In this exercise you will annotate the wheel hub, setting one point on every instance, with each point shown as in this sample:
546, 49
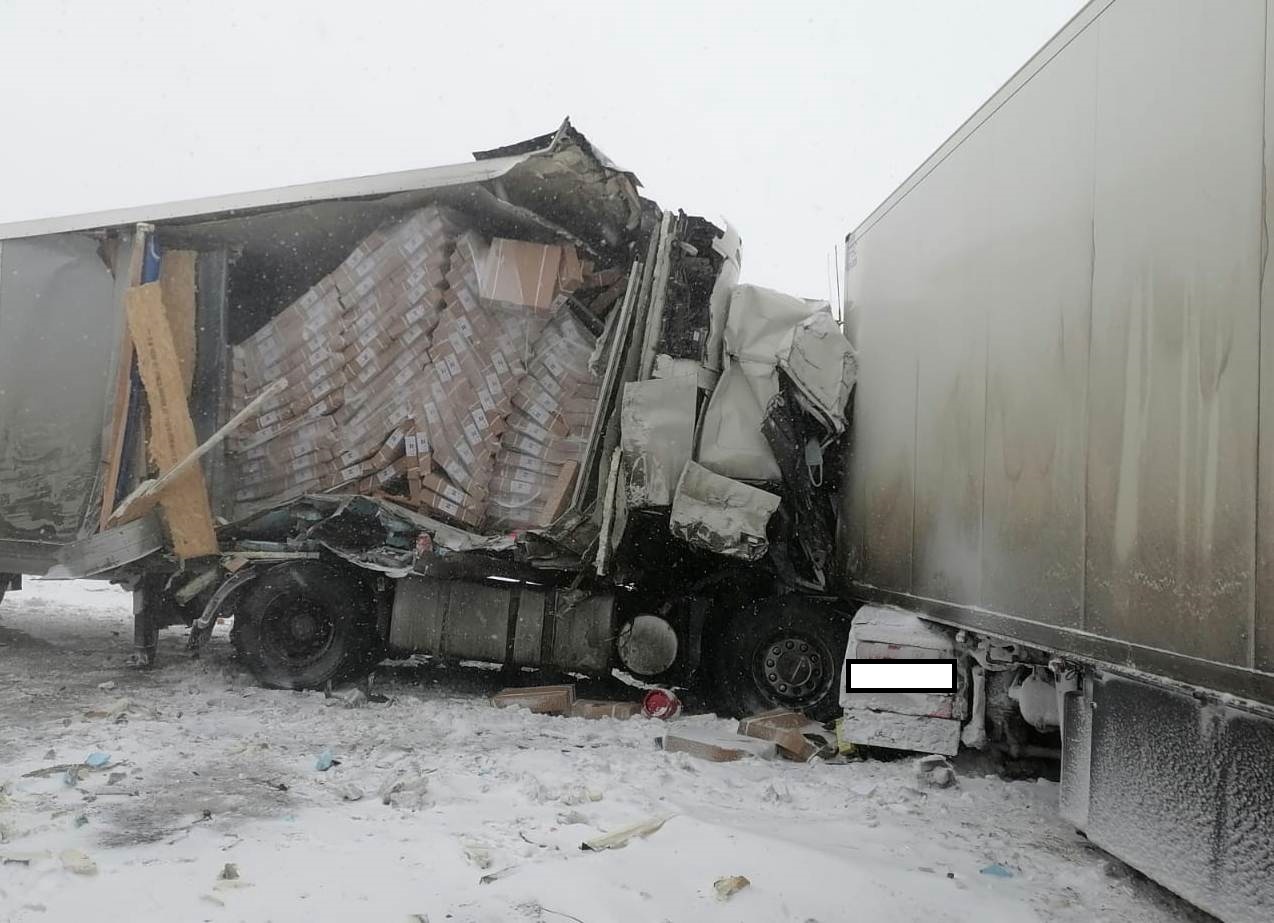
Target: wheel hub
791, 668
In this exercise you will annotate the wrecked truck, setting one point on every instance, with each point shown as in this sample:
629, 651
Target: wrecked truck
508, 411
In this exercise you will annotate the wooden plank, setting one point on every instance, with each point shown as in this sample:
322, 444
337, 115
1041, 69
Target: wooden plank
113, 441
177, 284
172, 433
143, 499
556, 501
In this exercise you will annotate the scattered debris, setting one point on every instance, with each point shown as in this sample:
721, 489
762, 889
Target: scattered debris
728, 887
790, 731
229, 872
661, 703
618, 839
78, 861
478, 856
579, 794
407, 790
80, 820
594, 708
540, 700
935, 772
571, 817
350, 792
24, 858
326, 761
498, 874
995, 870
116, 710
106, 686
718, 747
97, 760
116, 777
349, 698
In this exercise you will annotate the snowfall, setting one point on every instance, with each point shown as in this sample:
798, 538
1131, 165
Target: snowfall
187, 792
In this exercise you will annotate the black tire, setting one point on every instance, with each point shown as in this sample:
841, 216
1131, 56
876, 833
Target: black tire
302, 625
781, 652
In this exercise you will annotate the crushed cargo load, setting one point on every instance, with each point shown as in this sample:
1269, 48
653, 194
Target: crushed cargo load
434, 367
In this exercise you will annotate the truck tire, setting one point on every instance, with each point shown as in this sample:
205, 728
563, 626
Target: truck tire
781, 652
303, 625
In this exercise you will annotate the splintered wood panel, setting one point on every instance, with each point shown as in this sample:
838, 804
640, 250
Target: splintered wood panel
172, 433
177, 285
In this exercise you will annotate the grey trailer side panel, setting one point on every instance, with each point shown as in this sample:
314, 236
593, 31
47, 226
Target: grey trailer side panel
1058, 318
59, 329
1263, 634
1176, 305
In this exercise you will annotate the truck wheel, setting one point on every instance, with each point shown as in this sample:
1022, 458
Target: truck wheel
305, 624
783, 652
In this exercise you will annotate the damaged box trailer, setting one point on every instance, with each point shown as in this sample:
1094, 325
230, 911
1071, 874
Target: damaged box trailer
509, 411
1060, 475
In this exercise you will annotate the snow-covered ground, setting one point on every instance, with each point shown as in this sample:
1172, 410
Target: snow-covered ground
207, 769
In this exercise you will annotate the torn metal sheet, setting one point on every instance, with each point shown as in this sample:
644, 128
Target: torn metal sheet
109, 550
657, 435
767, 331
730, 248
721, 515
731, 442
823, 366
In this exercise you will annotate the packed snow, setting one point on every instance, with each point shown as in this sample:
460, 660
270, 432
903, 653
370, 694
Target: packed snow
208, 804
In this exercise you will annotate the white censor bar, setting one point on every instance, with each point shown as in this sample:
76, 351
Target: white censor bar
900, 675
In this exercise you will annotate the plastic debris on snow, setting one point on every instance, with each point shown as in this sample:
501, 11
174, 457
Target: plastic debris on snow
326, 761
78, 861
618, 839
728, 887
995, 870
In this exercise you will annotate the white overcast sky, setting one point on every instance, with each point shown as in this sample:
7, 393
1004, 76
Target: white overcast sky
792, 119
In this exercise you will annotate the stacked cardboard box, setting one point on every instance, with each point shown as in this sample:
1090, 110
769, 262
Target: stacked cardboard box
340, 346
547, 429
406, 369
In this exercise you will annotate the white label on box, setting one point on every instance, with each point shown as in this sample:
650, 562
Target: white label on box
495, 385
368, 336
484, 398
497, 359
529, 446
446, 506
406, 375
364, 287
453, 365
471, 433
413, 241
457, 342
453, 493
524, 474
317, 375
553, 365
431, 413
422, 443
439, 392
414, 278
444, 372
551, 385
367, 374
366, 356
351, 472
466, 454
479, 418
540, 414
522, 487
365, 267
409, 444
415, 315
538, 432
386, 475
463, 325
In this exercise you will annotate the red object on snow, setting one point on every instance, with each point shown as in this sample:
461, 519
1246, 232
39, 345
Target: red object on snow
660, 703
